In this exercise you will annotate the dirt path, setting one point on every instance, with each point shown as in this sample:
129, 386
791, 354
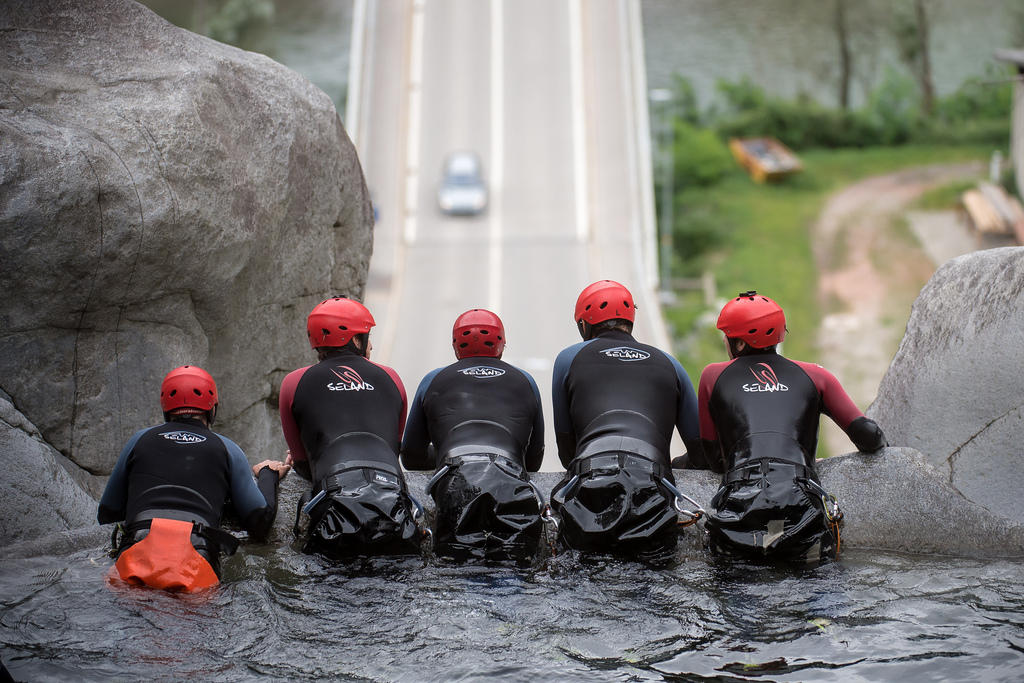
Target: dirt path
871, 267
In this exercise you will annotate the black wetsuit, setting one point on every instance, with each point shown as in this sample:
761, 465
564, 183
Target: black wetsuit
616, 402
343, 419
484, 419
759, 423
182, 470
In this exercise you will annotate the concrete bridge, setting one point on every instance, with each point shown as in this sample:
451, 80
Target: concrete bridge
552, 96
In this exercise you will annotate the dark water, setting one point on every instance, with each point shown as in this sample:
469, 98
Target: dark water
283, 616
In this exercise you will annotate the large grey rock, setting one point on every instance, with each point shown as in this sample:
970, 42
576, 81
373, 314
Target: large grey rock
955, 389
45, 497
897, 501
164, 199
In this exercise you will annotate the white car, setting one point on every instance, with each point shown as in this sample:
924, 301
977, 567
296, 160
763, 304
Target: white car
462, 190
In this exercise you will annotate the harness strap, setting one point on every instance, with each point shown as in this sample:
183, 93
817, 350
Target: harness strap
754, 469
466, 454
621, 444
335, 479
458, 452
225, 541
632, 462
142, 519
363, 464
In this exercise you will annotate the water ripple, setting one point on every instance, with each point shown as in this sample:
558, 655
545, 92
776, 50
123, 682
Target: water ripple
280, 615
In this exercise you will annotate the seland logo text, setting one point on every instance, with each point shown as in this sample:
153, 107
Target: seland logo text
184, 437
482, 371
625, 353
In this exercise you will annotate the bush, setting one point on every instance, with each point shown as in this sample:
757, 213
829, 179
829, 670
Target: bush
686, 106
700, 157
805, 123
697, 231
978, 112
989, 98
894, 108
802, 124
741, 97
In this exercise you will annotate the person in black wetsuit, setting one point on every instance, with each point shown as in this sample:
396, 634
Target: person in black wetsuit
343, 419
480, 424
616, 402
172, 485
759, 427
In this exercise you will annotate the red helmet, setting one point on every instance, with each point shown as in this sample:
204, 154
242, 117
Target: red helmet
478, 332
604, 300
188, 387
332, 323
754, 318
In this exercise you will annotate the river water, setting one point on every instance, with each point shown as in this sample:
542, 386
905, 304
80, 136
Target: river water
280, 615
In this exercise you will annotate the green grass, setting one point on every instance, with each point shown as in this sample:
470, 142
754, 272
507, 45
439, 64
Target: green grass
765, 238
943, 197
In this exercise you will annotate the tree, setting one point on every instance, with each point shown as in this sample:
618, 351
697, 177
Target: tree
845, 60
927, 87
912, 32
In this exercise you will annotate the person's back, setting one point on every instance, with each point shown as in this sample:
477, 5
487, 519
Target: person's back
759, 417
172, 485
616, 402
343, 419
479, 423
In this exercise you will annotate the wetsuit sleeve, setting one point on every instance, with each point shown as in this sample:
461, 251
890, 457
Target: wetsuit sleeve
864, 432
416, 440
535, 451
710, 453
686, 418
565, 436
288, 425
255, 504
115, 496
401, 390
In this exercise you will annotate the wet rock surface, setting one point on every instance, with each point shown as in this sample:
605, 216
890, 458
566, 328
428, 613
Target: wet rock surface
40, 496
955, 389
165, 199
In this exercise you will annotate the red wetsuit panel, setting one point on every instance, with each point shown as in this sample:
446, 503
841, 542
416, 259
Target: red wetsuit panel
291, 430
837, 404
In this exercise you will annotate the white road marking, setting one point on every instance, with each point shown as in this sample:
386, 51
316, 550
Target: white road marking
497, 155
579, 138
353, 100
412, 151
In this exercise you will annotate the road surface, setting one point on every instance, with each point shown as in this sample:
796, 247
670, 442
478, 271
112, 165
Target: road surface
551, 95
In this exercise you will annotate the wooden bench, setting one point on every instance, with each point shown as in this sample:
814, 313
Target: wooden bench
993, 215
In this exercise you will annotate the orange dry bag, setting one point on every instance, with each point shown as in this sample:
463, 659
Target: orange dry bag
166, 559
